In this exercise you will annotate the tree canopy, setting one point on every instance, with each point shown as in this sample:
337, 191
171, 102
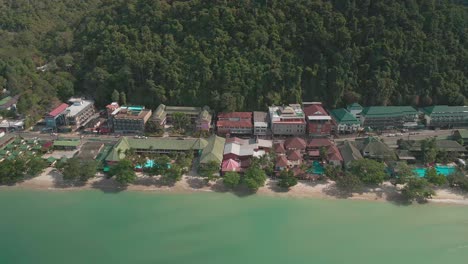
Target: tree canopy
234, 55
368, 171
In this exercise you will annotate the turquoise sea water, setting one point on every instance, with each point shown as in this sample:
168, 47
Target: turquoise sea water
131, 227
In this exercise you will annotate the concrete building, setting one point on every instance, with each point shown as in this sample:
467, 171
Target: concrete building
130, 119
319, 123
79, 112
344, 121
260, 122
287, 120
446, 116
199, 117
389, 117
238, 123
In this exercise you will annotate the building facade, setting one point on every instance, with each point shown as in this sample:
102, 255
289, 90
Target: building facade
318, 121
57, 117
199, 117
79, 111
239, 123
260, 122
446, 116
344, 122
287, 120
389, 117
130, 119
355, 110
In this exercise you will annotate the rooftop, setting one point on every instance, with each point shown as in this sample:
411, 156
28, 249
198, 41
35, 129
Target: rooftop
260, 118
213, 150
388, 111
189, 110
354, 106
131, 112
445, 110
66, 143
8, 101
243, 115
293, 111
342, 115
78, 106
315, 111
58, 110
228, 123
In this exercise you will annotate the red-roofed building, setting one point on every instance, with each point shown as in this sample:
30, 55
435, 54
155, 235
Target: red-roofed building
278, 148
281, 163
294, 157
295, 143
57, 116
230, 165
317, 143
235, 123
319, 122
334, 156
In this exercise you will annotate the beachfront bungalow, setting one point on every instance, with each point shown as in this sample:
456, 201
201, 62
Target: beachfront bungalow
349, 153
373, 148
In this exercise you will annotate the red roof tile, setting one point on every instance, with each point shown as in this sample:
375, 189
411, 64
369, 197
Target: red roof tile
281, 161
334, 153
279, 148
294, 155
58, 110
315, 110
319, 142
295, 143
243, 115
227, 123
230, 165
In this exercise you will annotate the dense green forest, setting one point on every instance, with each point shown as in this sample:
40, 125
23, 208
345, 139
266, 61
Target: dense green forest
236, 55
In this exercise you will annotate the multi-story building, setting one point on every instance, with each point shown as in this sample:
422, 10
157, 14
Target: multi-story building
260, 121
239, 123
287, 120
79, 111
388, 117
130, 119
446, 116
344, 121
199, 117
318, 121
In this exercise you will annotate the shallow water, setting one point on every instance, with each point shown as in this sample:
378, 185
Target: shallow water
135, 227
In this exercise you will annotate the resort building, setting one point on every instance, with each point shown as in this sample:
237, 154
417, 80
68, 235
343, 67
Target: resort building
334, 156
287, 120
130, 119
461, 136
344, 121
260, 121
243, 149
355, 110
389, 117
79, 112
237, 123
57, 117
318, 121
199, 117
415, 146
206, 150
373, 148
314, 145
349, 153
9, 103
289, 153
446, 116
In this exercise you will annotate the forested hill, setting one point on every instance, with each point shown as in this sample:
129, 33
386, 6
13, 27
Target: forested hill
245, 55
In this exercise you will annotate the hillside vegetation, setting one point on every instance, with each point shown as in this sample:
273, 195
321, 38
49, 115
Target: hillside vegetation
236, 55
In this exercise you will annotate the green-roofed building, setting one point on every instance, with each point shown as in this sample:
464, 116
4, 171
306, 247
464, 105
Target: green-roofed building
66, 144
373, 148
345, 122
385, 117
213, 151
446, 116
461, 135
355, 109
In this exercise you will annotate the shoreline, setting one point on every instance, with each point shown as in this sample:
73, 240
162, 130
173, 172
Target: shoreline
52, 181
